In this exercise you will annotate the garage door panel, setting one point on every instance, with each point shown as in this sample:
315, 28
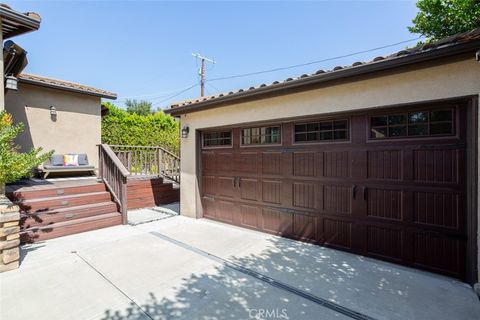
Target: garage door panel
385, 242
248, 162
250, 189
384, 164
209, 207
438, 166
271, 163
277, 222
337, 233
337, 199
272, 191
304, 227
209, 183
439, 253
250, 216
208, 160
304, 195
305, 164
226, 186
439, 209
225, 210
336, 164
224, 161
385, 204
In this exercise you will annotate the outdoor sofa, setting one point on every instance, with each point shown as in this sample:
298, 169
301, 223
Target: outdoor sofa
56, 164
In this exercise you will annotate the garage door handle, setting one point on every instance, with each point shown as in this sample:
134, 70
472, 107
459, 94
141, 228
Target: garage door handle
365, 193
239, 181
354, 191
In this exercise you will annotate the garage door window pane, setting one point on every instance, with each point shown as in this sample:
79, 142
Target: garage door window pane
261, 135
418, 130
217, 138
412, 124
322, 131
397, 131
397, 119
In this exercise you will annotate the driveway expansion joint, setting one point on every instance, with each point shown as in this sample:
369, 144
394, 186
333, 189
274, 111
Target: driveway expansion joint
268, 280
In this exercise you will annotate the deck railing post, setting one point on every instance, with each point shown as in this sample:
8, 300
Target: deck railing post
160, 162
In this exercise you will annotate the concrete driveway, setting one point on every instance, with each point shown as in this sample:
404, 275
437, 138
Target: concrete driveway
180, 268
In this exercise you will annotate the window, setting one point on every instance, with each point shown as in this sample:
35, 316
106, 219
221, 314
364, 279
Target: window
261, 135
412, 124
217, 139
322, 131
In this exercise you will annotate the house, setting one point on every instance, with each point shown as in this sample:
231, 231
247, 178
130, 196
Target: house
57, 112
66, 117
378, 158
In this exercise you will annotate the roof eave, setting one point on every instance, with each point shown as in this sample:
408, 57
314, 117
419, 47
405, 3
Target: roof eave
396, 62
52, 86
27, 24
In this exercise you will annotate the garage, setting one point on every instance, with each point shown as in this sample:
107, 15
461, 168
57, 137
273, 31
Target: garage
388, 184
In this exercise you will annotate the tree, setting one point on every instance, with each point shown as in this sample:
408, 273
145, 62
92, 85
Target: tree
15, 165
442, 18
141, 108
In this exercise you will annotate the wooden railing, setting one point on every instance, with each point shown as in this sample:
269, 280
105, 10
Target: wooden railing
114, 175
149, 161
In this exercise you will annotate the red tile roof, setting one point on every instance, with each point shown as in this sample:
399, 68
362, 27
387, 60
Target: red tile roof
65, 85
327, 75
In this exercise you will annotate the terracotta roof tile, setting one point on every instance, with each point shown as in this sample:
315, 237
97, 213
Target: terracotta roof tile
446, 42
65, 85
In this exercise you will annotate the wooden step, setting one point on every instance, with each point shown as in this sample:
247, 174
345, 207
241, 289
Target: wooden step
51, 203
45, 218
70, 227
47, 192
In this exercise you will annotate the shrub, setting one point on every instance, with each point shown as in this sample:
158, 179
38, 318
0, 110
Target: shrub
122, 128
15, 165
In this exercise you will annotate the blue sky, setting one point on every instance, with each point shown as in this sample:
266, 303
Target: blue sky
142, 49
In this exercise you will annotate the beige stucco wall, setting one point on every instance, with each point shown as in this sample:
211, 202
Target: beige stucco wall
449, 80
77, 128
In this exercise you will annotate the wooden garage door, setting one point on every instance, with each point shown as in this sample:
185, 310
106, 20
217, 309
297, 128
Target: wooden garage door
389, 184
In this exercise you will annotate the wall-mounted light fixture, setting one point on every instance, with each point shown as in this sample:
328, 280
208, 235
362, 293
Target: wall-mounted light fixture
185, 131
11, 82
53, 113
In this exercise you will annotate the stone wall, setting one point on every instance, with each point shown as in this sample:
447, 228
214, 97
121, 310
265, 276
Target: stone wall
9, 235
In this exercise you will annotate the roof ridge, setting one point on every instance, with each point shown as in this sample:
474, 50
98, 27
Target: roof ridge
59, 83
444, 42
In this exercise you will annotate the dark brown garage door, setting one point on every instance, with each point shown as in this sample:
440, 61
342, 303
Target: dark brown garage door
388, 184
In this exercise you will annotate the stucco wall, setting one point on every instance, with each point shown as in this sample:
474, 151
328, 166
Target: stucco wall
453, 79
76, 129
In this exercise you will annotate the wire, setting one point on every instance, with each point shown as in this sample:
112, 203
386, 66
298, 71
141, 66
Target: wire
177, 94
312, 62
158, 96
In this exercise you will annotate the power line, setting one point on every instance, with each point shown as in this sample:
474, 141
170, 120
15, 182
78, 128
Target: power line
177, 94
168, 93
312, 62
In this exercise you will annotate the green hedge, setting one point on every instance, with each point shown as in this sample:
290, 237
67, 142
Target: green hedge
158, 129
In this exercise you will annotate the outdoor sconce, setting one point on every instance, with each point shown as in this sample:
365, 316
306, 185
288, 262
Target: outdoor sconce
53, 113
185, 131
11, 83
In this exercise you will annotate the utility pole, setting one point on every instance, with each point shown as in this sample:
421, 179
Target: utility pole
202, 71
